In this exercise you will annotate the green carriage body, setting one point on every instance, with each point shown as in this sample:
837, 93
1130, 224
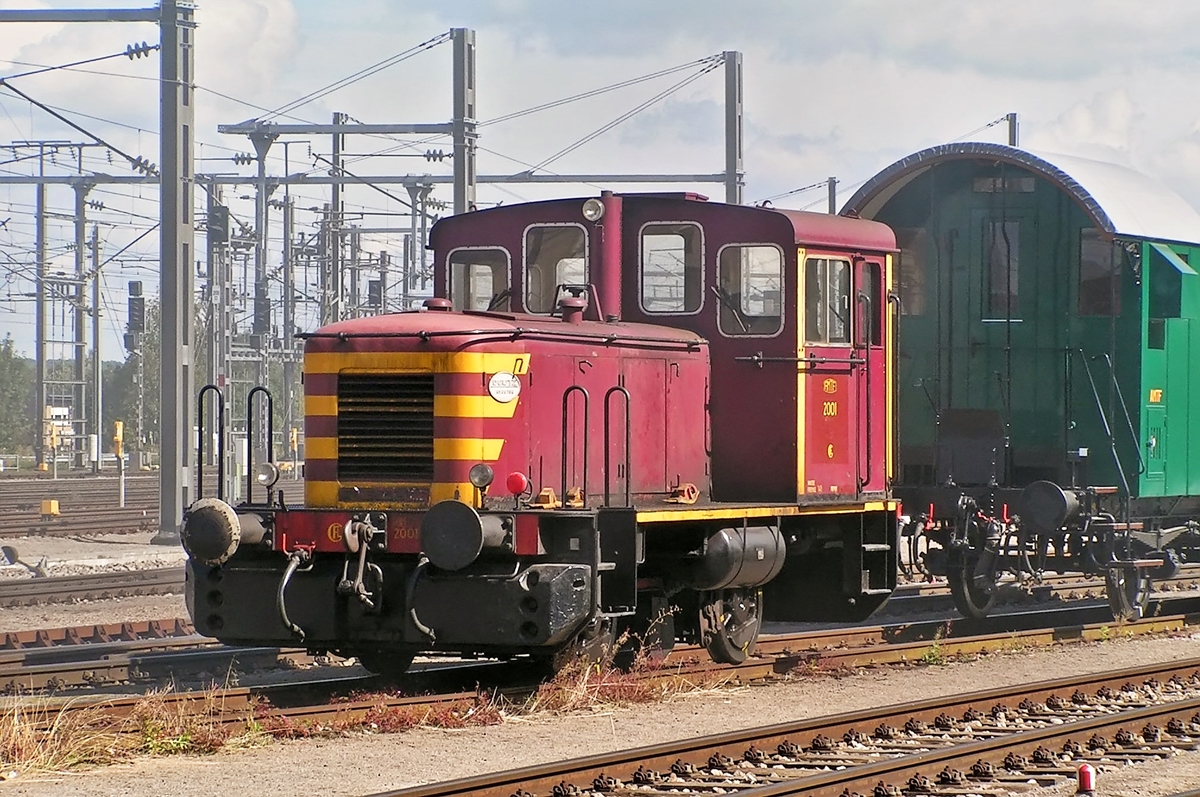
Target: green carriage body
1047, 302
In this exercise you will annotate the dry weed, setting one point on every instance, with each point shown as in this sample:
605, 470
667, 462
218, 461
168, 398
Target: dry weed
37, 736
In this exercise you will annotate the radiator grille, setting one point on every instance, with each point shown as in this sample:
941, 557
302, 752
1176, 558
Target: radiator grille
385, 427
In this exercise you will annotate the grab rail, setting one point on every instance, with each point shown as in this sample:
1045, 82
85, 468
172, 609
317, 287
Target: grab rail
250, 438
565, 404
608, 443
1112, 376
865, 299
1112, 441
220, 441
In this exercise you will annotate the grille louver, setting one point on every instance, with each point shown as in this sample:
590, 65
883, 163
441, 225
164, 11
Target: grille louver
385, 427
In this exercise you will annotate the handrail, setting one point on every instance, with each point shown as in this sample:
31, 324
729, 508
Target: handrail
220, 441
1112, 442
619, 389
250, 438
1112, 375
865, 299
586, 401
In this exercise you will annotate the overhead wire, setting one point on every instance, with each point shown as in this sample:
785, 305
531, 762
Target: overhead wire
359, 75
628, 115
603, 90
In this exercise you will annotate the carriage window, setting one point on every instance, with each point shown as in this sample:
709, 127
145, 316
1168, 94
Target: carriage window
1099, 274
750, 289
912, 242
672, 273
826, 300
1002, 246
479, 279
554, 256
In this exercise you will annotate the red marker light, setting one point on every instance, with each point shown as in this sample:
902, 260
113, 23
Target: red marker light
517, 483
1087, 780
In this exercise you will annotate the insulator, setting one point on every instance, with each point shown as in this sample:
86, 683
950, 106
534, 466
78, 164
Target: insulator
134, 51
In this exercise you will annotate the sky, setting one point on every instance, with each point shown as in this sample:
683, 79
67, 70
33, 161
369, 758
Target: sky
831, 89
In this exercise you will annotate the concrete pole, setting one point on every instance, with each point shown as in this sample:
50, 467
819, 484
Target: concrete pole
176, 76
97, 363
419, 252
734, 168
406, 268
463, 121
384, 264
832, 196
1013, 136
40, 328
289, 322
79, 419
336, 311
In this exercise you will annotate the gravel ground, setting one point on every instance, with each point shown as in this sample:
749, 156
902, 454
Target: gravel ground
73, 556
362, 765
115, 610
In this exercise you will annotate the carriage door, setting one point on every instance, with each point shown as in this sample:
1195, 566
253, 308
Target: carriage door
830, 367
869, 374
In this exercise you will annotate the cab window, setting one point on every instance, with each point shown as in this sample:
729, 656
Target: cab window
826, 300
750, 289
672, 268
479, 279
555, 255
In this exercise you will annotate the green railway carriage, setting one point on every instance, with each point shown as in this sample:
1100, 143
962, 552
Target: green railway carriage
1049, 318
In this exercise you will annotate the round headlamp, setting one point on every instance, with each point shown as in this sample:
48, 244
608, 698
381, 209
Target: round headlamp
266, 474
481, 475
593, 209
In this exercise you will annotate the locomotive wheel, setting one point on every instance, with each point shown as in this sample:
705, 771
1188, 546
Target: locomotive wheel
971, 597
391, 662
1128, 590
729, 623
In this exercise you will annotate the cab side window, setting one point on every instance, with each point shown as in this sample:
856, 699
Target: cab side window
826, 300
672, 268
554, 255
479, 279
750, 290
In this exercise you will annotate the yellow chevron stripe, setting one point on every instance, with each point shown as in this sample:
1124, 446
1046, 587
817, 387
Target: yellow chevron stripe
320, 405
320, 448
442, 362
443, 407
478, 449
320, 494
472, 407
325, 494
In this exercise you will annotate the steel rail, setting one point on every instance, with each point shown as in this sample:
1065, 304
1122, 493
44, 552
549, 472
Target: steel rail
695, 755
44, 638
31, 591
147, 660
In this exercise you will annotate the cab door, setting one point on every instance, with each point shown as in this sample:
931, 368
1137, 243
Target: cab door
830, 375
870, 374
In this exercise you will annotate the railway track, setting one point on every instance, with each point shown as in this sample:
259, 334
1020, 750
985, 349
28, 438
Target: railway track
908, 598
41, 639
95, 586
182, 658
992, 742
89, 505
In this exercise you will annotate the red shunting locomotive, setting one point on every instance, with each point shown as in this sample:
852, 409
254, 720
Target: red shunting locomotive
643, 412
